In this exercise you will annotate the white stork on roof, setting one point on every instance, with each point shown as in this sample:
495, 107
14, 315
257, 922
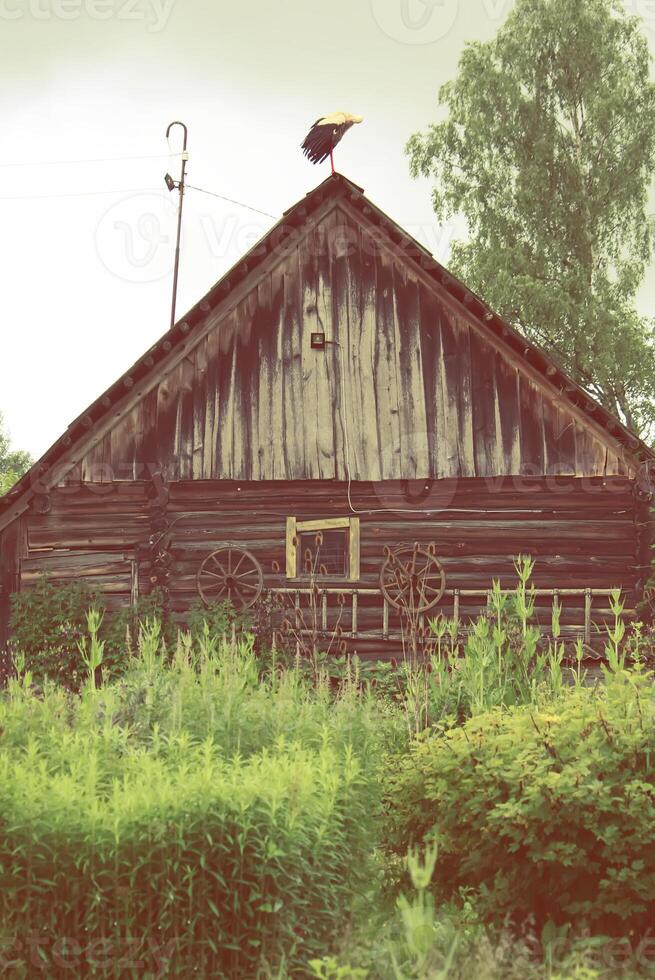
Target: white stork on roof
325, 134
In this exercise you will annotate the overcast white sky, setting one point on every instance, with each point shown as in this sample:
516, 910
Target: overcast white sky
86, 277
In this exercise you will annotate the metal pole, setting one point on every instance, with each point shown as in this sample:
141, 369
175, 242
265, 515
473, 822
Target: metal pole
180, 186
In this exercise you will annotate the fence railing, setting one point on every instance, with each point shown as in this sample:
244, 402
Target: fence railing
451, 604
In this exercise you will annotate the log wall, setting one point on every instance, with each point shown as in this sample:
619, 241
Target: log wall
11, 544
581, 532
90, 532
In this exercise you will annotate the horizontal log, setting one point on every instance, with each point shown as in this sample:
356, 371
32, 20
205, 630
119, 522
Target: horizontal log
581, 533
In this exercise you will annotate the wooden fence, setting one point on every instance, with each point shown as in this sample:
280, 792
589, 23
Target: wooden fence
460, 605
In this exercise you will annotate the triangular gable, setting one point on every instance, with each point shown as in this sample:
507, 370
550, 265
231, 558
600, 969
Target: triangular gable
504, 369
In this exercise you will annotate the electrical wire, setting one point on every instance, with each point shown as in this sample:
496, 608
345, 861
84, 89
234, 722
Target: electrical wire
128, 190
50, 197
56, 163
231, 200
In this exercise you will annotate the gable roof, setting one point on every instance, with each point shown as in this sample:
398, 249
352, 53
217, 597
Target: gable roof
64, 453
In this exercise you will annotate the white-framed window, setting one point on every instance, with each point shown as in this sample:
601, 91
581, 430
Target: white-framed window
325, 549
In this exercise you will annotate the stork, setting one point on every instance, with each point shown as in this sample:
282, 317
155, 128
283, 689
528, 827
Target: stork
325, 134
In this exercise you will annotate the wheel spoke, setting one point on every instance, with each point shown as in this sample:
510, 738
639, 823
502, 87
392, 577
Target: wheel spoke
206, 571
216, 590
237, 595
218, 564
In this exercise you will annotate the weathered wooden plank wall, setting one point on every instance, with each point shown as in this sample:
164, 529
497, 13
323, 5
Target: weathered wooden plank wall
10, 546
581, 532
91, 532
409, 383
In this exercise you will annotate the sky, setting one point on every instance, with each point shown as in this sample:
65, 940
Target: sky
87, 227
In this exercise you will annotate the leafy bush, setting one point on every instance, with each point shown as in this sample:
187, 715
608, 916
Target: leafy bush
217, 688
230, 819
420, 941
219, 616
48, 623
228, 865
549, 812
120, 628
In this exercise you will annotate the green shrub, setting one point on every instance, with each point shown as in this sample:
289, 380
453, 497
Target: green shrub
416, 940
219, 616
209, 688
228, 865
501, 662
549, 812
48, 623
120, 628
229, 819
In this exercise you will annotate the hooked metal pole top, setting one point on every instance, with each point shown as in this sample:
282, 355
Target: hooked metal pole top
178, 123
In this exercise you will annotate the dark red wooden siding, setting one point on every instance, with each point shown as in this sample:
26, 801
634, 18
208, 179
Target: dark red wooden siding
581, 533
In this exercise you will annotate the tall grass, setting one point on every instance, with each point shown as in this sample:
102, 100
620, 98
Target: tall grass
228, 864
500, 661
227, 818
210, 688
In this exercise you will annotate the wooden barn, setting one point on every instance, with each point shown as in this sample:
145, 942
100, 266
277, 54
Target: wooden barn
339, 380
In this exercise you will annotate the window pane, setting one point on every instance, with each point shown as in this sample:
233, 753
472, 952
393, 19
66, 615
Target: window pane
332, 553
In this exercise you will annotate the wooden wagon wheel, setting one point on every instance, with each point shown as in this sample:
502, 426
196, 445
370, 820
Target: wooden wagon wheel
412, 578
230, 573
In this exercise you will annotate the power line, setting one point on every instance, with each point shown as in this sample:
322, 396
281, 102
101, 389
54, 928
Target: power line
129, 190
54, 163
232, 201
50, 197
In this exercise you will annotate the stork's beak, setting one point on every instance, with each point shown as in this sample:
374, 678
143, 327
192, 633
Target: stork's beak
357, 119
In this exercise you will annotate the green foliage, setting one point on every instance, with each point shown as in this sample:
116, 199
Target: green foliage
229, 819
254, 818
219, 616
419, 919
547, 152
48, 626
13, 463
47, 623
423, 941
120, 628
548, 811
502, 660
215, 688
231, 863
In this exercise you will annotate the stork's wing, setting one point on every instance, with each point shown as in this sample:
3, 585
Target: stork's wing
322, 137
